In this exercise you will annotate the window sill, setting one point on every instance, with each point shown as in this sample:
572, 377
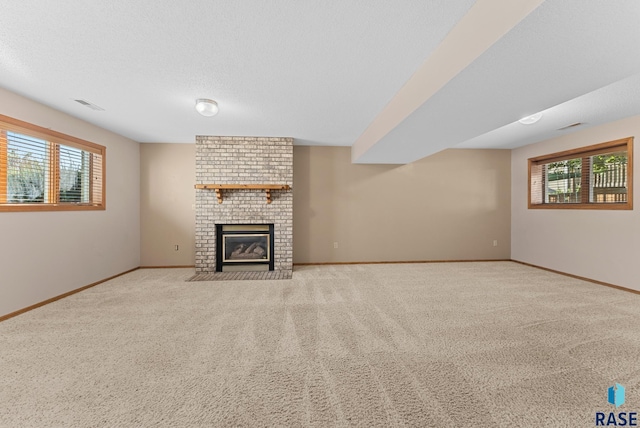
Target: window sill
49, 207
610, 206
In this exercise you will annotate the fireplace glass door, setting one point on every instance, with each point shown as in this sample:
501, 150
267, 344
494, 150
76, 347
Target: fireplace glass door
245, 247
242, 248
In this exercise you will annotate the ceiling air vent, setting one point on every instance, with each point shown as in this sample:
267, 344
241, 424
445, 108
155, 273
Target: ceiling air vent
573, 125
88, 104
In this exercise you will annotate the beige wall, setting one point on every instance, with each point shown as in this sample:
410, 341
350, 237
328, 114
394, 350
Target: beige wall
601, 245
167, 197
448, 206
45, 254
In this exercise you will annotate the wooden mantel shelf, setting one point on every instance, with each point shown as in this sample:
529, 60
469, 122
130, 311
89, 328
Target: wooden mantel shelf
266, 187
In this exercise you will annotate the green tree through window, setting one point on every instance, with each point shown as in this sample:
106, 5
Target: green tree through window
25, 169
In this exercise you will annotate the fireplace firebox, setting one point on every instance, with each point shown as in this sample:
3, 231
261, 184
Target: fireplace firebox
244, 247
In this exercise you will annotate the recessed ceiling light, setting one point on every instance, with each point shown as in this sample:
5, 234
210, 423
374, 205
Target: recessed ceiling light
206, 107
531, 119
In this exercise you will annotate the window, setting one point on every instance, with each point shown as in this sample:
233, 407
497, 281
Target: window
44, 170
594, 177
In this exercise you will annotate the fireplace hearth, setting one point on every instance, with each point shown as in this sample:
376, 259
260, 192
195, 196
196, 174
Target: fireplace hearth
244, 247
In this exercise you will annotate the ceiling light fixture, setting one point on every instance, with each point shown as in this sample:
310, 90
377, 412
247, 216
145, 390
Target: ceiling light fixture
531, 119
206, 107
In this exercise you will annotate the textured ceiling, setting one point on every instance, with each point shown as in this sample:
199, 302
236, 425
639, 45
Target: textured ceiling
318, 71
561, 51
324, 72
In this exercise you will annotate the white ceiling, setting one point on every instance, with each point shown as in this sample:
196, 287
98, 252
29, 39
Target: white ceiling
324, 72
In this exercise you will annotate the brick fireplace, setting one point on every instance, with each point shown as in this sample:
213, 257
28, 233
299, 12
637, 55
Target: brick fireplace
252, 162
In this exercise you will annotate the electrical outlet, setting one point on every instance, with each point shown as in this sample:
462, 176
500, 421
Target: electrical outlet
335, 245
495, 242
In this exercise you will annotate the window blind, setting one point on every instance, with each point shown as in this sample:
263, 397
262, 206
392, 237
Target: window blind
37, 171
27, 168
594, 175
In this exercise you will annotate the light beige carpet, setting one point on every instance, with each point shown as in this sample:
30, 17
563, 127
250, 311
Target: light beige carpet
429, 345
